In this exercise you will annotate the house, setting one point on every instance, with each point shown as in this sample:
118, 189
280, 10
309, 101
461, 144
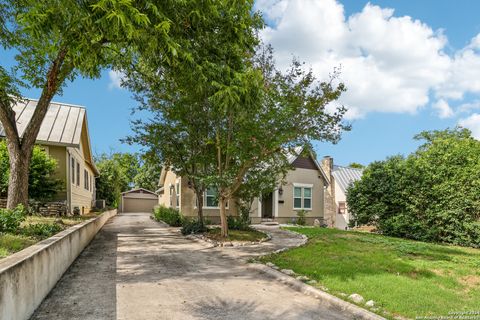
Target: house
303, 189
64, 136
340, 179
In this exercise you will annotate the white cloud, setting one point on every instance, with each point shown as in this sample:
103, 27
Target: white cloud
388, 63
443, 109
116, 78
473, 123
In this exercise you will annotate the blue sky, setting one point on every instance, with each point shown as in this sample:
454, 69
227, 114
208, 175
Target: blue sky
394, 92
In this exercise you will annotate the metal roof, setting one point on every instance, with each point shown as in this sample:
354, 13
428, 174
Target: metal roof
344, 176
62, 124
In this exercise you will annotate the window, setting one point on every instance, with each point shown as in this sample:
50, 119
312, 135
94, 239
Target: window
177, 194
302, 197
172, 190
85, 179
78, 174
342, 208
211, 197
73, 169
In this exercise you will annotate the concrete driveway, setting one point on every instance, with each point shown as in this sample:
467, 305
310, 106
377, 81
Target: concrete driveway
136, 268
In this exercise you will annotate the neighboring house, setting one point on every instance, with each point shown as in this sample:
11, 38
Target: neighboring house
340, 179
138, 200
64, 136
303, 190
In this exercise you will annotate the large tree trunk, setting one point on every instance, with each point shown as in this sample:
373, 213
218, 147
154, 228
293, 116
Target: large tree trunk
18, 179
223, 216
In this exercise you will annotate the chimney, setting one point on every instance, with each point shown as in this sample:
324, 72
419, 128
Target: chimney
327, 166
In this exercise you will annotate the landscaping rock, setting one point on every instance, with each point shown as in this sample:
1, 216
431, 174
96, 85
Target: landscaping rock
288, 272
370, 303
356, 298
341, 294
316, 223
269, 264
302, 278
312, 282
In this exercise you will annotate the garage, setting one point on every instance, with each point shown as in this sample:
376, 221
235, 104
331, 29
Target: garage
138, 200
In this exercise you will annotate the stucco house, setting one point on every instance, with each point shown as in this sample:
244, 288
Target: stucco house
340, 179
64, 136
303, 189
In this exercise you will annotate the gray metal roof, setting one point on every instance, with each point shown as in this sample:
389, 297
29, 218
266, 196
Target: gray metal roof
62, 124
344, 176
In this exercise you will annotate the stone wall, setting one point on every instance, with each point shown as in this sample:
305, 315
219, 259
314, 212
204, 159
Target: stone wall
330, 206
54, 208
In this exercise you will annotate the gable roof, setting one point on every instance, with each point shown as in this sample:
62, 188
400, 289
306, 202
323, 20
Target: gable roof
63, 125
344, 176
298, 151
139, 190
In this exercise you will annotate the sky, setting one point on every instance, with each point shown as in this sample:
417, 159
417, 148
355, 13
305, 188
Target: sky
408, 66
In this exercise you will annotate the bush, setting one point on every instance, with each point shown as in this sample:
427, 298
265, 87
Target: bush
430, 195
192, 226
41, 230
238, 223
170, 216
10, 220
301, 221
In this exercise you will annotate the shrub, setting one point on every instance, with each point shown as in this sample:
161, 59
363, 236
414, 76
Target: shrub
170, 216
192, 226
41, 230
10, 220
301, 221
238, 223
430, 195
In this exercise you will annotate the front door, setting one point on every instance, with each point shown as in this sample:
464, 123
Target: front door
267, 207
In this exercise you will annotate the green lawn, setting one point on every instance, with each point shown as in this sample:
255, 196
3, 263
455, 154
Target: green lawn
407, 278
24, 237
236, 235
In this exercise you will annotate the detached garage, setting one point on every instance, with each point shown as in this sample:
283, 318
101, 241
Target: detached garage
138, 200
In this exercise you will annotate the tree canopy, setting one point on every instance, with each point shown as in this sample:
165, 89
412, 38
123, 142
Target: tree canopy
430, 195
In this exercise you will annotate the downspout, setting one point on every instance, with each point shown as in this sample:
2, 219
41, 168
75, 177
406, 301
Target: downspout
69, 184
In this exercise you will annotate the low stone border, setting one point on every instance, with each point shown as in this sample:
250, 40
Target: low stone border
354, 311
214, 243
27, 276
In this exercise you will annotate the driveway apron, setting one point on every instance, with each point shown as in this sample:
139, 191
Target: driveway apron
137, 268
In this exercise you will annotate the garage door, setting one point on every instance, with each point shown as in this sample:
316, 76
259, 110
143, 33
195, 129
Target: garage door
138, 204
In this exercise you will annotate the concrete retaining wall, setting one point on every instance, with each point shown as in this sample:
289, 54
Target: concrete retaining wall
26, 277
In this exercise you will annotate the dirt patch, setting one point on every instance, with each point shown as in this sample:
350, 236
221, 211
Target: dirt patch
470, 282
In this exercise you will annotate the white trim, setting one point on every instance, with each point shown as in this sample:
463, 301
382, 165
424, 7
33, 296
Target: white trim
260, 206
275, 203
303, 185
302, 198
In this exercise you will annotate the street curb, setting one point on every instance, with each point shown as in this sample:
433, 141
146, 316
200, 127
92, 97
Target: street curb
354, 310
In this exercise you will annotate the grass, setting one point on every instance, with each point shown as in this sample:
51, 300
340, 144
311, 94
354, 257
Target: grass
236, 235
404, 277
11, 243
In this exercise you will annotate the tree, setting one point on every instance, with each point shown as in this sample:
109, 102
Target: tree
217, 37
41, 179
56, 41
356, 165
431, 195
147, 174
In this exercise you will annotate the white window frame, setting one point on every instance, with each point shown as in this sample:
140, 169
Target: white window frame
302, 187
210, 207
177, 193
